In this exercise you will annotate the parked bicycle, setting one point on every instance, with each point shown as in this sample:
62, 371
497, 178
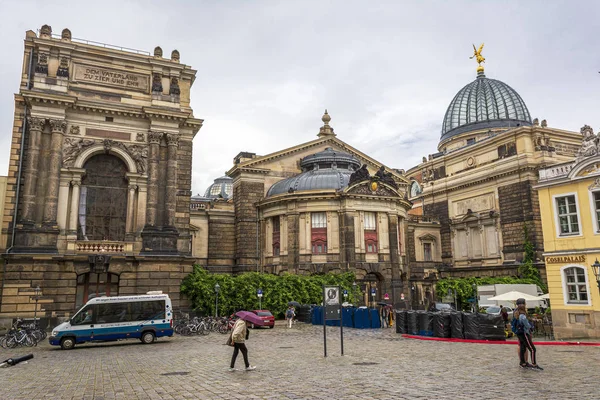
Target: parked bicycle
22, 334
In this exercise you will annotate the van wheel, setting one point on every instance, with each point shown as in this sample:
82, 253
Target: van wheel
147, 337
67, 343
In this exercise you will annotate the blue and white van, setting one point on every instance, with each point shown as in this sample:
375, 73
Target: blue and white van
145, 317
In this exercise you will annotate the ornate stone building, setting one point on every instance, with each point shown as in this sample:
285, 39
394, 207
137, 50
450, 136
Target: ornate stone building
98, 192
317, 207
479, 185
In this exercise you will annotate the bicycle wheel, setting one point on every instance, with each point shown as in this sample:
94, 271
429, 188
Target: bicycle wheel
29, 341
223, 329
11, 342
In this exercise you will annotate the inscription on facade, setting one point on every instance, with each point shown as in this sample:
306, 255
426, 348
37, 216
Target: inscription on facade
565, 259
107, 134
475, 204
111, 77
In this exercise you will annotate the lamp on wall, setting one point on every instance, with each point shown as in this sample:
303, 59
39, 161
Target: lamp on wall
596, 269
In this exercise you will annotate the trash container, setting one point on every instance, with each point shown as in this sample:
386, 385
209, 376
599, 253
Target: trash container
441, 325
361, 318
456, 325
491, 327
348, 317
471, 326
401, 322
425, 320
412, 323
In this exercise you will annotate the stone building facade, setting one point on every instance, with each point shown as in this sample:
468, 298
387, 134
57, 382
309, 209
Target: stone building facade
315, 208
479, 185
99, 201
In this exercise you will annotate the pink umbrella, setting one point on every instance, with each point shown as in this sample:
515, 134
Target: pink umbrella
250, 317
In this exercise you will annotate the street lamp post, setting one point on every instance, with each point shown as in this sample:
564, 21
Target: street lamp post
596, 269
38, 292
354, 293
217, 289
475, 297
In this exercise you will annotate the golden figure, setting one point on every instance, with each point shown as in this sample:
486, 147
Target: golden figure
478, 57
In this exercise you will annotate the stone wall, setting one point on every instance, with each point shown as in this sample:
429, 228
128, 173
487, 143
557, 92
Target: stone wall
245, 196
57, 280
440, 212
519, 204
184, 191
221, 242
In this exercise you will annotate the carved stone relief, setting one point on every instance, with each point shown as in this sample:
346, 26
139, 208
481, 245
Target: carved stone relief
74, 130
72, 148
140, 137
63, 68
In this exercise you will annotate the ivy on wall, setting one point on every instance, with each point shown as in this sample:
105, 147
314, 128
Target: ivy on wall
239, 292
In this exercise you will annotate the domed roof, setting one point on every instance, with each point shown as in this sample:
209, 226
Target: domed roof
221, 188
328, 169
484, 103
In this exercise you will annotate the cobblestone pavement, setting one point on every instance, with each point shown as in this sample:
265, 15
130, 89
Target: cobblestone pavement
378, 364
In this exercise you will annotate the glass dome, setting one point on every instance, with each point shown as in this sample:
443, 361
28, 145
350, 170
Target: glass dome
221, 188
328, 169
484, 103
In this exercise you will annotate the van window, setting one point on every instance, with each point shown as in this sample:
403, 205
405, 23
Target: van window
147, 310
112, 312
84, 317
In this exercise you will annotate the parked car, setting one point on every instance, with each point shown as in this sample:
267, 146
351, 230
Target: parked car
495, 310
266, 316
441, 307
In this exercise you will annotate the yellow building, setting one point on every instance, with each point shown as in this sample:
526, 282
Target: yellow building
569, 196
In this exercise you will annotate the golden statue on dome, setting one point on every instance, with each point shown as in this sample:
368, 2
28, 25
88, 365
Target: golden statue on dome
478, 57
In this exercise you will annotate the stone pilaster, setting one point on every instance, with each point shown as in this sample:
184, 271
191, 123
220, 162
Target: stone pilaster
246, 193
395, 259
59, 126
171, 184
63, 204
153, 160
347, 251
30, 173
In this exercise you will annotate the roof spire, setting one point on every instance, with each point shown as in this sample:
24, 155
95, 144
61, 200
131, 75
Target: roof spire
479, 58
326, 130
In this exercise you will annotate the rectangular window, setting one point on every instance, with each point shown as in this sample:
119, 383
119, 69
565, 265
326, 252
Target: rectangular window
576, 285
276, 236
370, 232
147, 310
112, 313
319, 220
597, 210
319, 232
427, 252
567, 215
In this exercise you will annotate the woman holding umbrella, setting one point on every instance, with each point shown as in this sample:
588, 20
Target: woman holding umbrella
239, 335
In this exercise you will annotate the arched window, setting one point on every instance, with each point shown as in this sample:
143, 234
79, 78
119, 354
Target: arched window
92, 285
575, 285
103, 199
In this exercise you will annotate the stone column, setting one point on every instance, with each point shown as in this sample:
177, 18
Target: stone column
153, 160
130, 223
63, 204
75, 193
59, 126
171, 184
30, 173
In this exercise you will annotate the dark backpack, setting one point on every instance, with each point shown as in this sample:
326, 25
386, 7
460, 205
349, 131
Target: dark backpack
517, 326
289, 314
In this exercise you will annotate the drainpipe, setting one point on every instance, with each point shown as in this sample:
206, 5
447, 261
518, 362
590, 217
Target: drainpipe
18, 191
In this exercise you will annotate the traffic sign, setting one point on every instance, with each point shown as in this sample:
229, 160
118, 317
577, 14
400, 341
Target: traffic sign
401, 296
259, 293
373, 292
386, 296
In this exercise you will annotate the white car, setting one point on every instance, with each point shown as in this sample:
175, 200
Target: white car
496, 310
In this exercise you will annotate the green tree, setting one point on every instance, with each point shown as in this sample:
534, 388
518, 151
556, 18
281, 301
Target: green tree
239, 292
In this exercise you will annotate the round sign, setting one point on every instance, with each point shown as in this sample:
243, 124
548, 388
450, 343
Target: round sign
386, 296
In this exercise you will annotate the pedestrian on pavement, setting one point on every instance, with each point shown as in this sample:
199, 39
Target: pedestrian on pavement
383, 313
524, 328
504, 313
289, 316
239, 335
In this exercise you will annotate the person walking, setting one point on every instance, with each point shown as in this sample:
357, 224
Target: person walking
289, 316
239, 335
523, 331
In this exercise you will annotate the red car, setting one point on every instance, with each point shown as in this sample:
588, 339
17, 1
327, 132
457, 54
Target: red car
266, 316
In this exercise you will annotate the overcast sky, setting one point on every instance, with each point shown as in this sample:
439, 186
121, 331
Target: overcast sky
386, 71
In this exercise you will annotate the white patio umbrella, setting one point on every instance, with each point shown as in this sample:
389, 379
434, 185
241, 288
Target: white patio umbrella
513, 296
